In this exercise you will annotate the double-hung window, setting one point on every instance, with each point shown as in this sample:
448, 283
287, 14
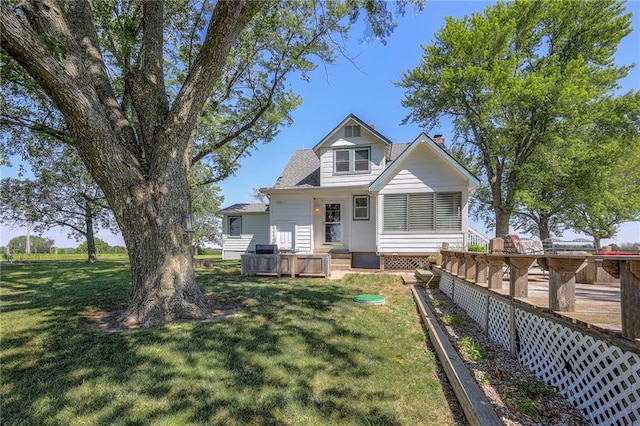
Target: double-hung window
352, 160
426, 212
360, 207
235, 226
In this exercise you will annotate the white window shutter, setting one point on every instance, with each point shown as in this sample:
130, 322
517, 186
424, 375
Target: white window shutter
395, 213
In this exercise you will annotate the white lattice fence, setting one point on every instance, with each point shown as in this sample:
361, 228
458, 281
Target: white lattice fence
600, 379
446, 284
498, 323
472, 300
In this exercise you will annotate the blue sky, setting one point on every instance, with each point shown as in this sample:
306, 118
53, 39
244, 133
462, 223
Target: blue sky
365, 88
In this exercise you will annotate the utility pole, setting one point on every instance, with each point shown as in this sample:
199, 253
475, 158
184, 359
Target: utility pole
27, 247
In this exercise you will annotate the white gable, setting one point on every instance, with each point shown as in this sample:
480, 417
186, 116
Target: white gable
427, 165
424, 172
351, 138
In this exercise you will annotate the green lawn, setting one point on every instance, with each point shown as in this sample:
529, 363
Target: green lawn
300, 352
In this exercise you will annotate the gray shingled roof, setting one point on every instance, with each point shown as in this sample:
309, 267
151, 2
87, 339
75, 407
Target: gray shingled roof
396, 150
303, 169
246, 208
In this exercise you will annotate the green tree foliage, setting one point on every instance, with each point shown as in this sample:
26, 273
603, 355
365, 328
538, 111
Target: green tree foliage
205, 203
143, 90
609, 171
37, 244
101, 246
62, 194
514, 79
590, 182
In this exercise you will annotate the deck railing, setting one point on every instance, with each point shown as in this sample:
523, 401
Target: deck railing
474, 237
488, 269
594, 367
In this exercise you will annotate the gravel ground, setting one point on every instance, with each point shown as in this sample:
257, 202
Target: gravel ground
518, 397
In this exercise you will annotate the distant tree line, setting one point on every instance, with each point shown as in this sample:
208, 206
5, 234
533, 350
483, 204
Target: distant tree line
18, 245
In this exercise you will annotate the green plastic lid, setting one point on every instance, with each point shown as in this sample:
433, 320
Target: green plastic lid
369, 299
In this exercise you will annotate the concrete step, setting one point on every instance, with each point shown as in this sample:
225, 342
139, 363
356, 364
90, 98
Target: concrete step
340, 267
340, 255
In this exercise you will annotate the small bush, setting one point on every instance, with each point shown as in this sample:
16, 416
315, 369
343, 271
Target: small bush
477, 248
452, 320
471, 348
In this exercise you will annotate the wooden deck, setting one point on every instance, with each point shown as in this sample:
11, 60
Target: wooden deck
597, 306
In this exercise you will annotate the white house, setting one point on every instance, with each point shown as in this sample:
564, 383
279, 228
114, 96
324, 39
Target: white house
244, 226
384, 205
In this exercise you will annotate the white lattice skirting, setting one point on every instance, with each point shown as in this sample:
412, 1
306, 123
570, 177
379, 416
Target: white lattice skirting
404, 263
599, 378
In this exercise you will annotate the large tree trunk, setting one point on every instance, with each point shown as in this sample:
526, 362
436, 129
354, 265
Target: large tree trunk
502, 223
543, 228
153, 227
597, 241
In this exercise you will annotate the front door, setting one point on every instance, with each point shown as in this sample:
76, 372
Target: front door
285, 232
333, 222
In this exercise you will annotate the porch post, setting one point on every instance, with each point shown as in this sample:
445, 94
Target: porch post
496, 247
519, 275
470, 267
481, 268
562, 282
630, 298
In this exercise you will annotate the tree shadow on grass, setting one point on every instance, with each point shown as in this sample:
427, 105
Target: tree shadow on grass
285, 356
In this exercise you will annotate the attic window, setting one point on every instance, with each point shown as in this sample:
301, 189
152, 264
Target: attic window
352, 131
352, 160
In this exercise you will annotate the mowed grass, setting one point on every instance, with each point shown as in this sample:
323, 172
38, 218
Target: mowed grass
300, 352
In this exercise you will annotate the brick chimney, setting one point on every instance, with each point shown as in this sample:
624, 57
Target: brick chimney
373, 126
439, 139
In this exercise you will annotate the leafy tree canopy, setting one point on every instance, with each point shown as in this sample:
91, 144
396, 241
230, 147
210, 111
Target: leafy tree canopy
515, 78
37, 244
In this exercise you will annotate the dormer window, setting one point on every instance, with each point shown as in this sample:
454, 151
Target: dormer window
352, 160
352, 131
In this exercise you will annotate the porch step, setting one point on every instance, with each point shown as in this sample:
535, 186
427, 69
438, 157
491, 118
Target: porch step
427, 277
340, 255
340, 260
339, 267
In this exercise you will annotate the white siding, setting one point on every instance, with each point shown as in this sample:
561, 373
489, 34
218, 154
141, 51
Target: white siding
425, 172
422, 172
255, 230
326, 152
418, 243
363, 232
298, 210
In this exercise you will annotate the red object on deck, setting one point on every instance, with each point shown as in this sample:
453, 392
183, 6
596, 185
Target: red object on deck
614, 253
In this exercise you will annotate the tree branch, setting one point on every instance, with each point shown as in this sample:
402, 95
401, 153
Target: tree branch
6, 120
229, 19
147, 85
39, 61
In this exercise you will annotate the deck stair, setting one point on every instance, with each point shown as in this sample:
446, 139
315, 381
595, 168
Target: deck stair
426, 277
340, 260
